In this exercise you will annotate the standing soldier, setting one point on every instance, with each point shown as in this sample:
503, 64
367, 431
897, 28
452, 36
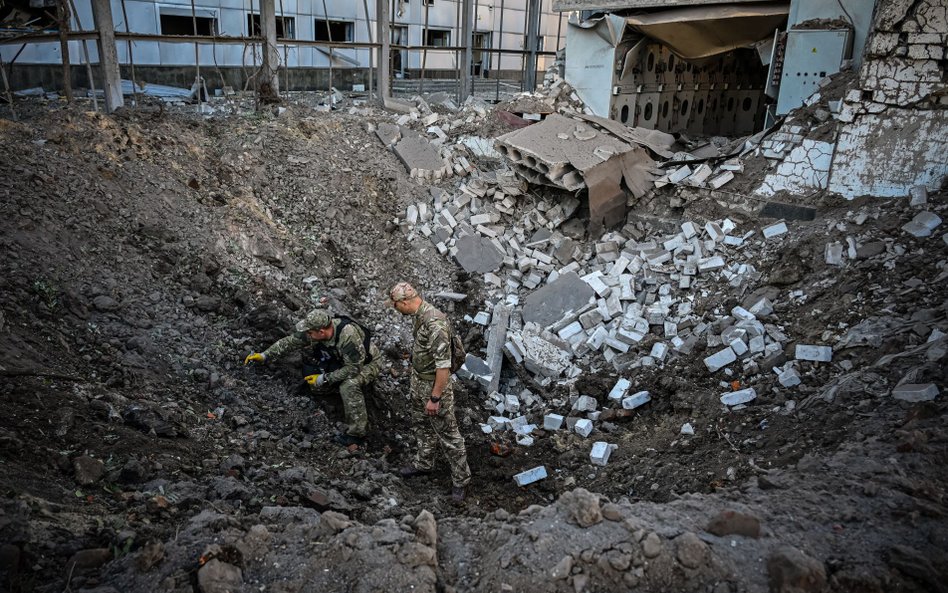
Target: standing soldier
432, 393
343, 354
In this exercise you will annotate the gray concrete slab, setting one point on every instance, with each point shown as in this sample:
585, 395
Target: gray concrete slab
550, 303
477, 255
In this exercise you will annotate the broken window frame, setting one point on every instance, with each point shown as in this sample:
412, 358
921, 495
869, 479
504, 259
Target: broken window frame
329, 29
253, 26
443, 38
172, 21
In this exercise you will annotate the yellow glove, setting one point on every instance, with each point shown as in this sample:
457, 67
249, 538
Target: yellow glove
254, 357
314, 380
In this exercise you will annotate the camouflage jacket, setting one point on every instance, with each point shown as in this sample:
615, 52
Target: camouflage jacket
347, 346
432, 334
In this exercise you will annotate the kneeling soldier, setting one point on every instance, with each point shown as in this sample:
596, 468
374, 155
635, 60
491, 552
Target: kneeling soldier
342, 353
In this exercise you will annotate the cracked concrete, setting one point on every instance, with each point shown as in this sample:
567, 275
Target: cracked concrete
806, 168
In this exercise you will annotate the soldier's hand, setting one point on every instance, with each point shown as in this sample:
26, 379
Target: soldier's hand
314, 380
432, 407
254, 357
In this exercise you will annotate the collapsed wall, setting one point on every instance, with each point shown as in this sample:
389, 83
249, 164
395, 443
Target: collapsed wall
895, 132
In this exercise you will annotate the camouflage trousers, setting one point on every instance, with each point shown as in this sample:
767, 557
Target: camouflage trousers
432, 431
353, 398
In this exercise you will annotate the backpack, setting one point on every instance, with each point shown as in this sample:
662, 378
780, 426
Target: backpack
321, 358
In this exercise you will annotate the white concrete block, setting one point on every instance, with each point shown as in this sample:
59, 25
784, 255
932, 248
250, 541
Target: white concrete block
738, 397
775, 230
814, 353
638, 399
916, 392
601, 450
585, 403
583, 427
659, 351
552, 422
620, 389
720, 359
530, 476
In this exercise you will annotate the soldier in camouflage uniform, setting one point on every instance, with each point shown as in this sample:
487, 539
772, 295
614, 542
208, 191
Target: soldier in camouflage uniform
346, 342
432, 393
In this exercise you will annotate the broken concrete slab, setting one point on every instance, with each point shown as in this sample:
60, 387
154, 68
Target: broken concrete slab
478, 255
388, 133
421, 158
552, 302
783, 211
495, 343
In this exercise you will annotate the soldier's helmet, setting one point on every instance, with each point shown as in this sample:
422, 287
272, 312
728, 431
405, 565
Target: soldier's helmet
315, 319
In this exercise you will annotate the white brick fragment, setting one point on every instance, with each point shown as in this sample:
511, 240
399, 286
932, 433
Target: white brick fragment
601, 450
735, 398
774, 230
720, 359
530, 476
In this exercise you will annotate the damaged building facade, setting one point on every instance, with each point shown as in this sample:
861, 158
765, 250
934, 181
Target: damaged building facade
708, 68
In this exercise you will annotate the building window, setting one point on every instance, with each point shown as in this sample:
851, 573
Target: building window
333, 30
438, 37
286, 26
181, 24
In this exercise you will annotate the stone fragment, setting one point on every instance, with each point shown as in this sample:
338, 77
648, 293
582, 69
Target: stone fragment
582, 507
687, 429
89, 559
923, 392
791, 571
730, 522
690, 550
563, 568
219, 577
87, 470
652, 545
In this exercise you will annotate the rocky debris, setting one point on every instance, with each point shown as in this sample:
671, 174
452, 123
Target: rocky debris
792, 571
88, 471
731, 522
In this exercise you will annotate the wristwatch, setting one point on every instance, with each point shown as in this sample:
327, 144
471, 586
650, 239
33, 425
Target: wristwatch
435, 398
